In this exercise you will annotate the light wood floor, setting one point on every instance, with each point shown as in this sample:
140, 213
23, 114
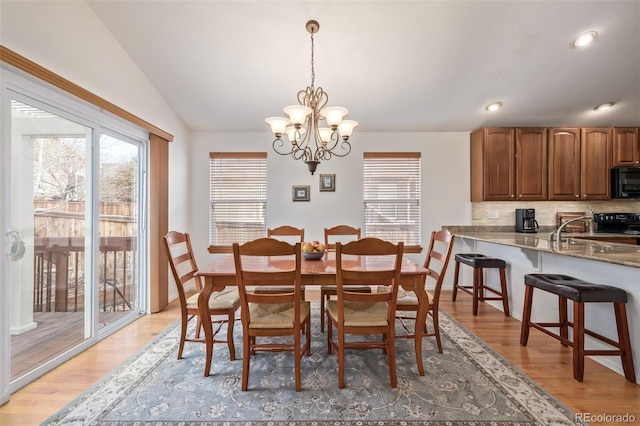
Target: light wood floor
544, 360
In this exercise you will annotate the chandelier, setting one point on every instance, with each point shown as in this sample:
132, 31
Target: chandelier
308, 141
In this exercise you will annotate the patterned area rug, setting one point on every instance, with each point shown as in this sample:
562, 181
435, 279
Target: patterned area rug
468, 384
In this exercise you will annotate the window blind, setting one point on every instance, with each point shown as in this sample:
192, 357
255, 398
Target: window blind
238, 197
391, 193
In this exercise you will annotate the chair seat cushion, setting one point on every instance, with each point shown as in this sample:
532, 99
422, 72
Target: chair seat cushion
360, 314
405, 298
271, 289
477, 260
276, 315
229, 298
576, 289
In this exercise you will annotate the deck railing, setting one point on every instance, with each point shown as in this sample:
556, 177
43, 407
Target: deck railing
60, 273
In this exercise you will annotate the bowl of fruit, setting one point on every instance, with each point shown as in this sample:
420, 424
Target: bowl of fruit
313, 250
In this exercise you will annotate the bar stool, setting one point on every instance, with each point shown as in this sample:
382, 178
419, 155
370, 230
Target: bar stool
581, 292
480, 262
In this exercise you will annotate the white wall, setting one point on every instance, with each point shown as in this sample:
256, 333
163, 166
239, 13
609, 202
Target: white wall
445, 182
68, 39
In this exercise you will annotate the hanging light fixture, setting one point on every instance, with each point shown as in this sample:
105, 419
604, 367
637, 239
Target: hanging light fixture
307, 140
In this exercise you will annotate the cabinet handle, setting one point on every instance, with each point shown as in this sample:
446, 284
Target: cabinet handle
511, 196
577, 195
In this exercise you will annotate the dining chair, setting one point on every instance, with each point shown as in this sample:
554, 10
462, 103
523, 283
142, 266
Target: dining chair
282, 233
436, 262
268, 314
342, 233
221, 303
365, 313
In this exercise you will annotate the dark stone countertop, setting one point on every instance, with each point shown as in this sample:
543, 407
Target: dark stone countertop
595, 246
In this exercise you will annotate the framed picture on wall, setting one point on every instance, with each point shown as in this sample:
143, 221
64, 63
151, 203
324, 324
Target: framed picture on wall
327, 182
300, 192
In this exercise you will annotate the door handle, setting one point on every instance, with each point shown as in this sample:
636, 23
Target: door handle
16, 248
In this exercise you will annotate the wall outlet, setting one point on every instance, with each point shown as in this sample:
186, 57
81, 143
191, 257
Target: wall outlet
476, 215
493, 214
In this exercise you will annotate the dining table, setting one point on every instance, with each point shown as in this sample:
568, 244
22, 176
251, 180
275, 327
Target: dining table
221, 273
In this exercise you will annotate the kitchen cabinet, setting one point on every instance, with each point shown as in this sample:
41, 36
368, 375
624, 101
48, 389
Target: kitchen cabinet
531, 164
579, 164
595, 164
564, 164
492, 164
625, 147
508, 164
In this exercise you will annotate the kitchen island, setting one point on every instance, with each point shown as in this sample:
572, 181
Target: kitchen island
590, 257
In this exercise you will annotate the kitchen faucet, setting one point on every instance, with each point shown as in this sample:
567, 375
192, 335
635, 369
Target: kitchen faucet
558, 231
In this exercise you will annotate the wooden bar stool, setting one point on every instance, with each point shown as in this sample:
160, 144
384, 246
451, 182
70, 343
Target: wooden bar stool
581, 292
480, 262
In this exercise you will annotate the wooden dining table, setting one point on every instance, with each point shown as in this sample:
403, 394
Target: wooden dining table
221, 273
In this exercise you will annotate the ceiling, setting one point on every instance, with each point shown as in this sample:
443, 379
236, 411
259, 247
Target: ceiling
414, 66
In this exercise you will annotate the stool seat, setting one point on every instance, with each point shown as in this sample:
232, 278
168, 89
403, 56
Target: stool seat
477, 260
575, 289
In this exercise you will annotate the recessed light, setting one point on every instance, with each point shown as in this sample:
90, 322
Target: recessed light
604, 106
584, 39
494, 106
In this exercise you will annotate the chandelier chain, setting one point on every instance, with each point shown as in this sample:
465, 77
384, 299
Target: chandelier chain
313, 72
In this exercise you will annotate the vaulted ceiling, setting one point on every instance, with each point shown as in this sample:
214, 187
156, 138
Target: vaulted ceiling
415, 66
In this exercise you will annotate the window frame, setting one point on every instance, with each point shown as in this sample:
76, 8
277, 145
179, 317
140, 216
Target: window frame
414, 196
226, 247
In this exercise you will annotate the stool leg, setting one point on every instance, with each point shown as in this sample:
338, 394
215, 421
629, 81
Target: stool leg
563, 319
578, 341
477, 285
526, 315
456, 275
624, 341
505, 295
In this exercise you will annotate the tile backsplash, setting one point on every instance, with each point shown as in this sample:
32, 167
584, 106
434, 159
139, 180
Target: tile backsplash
503, 213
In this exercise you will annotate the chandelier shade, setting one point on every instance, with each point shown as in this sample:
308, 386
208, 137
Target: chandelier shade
304, 135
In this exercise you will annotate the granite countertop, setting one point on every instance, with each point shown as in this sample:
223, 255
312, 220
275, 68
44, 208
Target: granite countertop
583, 245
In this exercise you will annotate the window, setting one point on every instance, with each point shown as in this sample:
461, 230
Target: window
237, 197
391, 191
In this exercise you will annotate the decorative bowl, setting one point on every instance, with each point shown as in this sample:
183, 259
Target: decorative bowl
312, 255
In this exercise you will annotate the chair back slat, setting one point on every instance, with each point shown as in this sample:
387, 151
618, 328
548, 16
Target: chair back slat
340, 232
286, 231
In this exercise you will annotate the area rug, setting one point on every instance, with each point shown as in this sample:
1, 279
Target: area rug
469, 384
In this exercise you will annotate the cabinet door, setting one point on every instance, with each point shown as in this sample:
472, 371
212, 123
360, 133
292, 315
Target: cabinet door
564, 164
499, 164
595, 164
531, 164
626, 147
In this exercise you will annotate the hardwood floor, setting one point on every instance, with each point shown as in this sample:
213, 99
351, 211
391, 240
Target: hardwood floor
602, 392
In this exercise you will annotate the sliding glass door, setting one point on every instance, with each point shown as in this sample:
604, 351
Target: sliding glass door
75, 257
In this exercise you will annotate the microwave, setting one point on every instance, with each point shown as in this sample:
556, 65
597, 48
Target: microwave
625, 182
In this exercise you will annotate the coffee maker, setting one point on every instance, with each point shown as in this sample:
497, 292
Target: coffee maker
526, 221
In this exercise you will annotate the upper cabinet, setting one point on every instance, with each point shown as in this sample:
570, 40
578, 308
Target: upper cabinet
564, 164
595, 164
537, 164
626, 147
531, 164
579, 164
508, 164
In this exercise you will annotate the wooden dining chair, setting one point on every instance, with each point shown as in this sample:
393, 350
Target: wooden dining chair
436, 261
342, 233
282, 233
221, 303
268, 314
365, 313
